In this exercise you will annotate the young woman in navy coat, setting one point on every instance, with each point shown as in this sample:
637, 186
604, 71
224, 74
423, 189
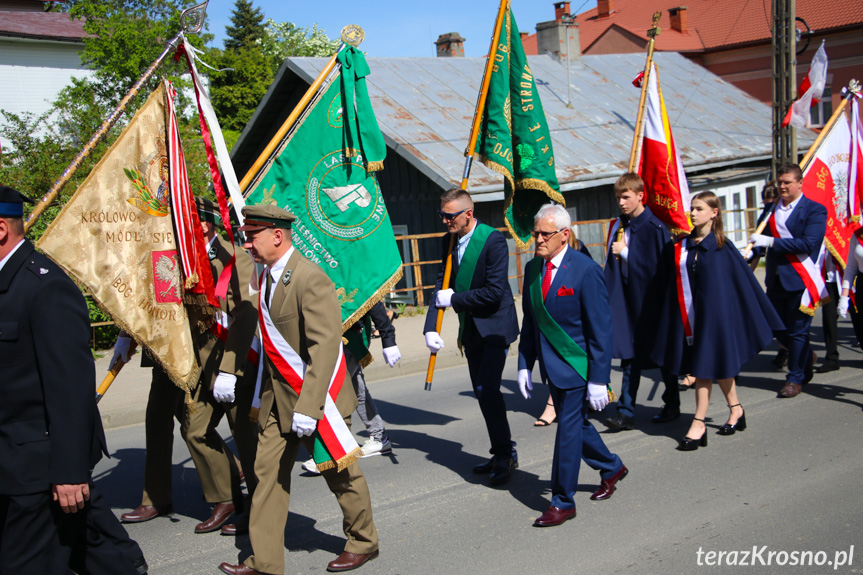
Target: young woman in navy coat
716, 316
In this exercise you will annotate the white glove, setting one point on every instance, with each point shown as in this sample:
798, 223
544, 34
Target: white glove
842, 307
223, 389
444, 298
761, 241
524, 384
392, 355
434, 341
303, 424
123, 348
597, 395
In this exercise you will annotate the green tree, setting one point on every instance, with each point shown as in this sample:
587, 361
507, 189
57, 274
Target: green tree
247, 26
237, 89
286, 39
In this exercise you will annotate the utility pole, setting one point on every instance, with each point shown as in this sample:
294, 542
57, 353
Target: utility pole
784, 81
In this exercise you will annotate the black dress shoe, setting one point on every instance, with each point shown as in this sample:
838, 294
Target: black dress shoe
781, 358
502, 470
666, 414
620, 422
828, 366
484, 468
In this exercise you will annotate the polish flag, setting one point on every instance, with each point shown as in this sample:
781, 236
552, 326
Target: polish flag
665, 186
855, 167
812, 88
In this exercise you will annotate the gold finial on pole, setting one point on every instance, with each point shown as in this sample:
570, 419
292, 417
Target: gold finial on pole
353, 35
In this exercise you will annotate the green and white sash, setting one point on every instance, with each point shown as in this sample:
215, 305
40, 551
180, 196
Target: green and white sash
467, 267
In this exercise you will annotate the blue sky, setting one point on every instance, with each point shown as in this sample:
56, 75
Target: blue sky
398, 28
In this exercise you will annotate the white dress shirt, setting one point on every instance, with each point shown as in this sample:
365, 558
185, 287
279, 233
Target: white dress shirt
276, 273
555, 261
9, 255
462, 242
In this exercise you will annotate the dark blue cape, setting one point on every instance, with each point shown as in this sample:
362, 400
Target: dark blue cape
635, 303
734, 320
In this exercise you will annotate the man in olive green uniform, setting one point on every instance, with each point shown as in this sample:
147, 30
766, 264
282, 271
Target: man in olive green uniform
301, 330
226, 387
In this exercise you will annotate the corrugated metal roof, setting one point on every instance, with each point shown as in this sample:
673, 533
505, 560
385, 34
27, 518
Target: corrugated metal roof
424, 107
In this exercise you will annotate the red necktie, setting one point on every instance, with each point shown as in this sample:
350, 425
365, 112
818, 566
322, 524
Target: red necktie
546, 281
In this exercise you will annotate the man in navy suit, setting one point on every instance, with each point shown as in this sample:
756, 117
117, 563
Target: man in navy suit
481, 296
566, 327
804, 223
50, 430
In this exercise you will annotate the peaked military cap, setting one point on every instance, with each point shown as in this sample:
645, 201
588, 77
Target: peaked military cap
268, 216
208, 211
12, 202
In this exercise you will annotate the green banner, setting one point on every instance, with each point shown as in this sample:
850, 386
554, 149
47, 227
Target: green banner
514, 139
324, 174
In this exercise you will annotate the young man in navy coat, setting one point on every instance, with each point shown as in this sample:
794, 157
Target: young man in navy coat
806, 223
636, 280
566, 328
481, 296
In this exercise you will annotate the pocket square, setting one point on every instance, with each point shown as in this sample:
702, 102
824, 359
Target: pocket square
565, 291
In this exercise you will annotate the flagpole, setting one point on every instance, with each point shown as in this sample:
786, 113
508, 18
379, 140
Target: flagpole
192, 20
653, 33
112, 373
810, 153
469, 154
351, 35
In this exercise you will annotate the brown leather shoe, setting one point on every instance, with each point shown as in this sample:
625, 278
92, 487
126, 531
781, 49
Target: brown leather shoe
240, 527
554, 516
221, 513
241, 569
607, 486
145, 513
791, 390
347, 560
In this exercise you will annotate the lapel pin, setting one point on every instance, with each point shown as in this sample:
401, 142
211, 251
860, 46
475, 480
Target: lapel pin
287, 277
43, 271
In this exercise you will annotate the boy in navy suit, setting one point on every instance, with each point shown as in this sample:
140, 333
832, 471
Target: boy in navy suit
566, 328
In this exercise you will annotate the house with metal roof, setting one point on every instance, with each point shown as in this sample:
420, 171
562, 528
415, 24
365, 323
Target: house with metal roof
424, 107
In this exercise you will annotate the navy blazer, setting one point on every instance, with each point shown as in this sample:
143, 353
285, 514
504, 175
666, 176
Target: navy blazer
50, 431
584, 315
488, 303
635, 302
808, 224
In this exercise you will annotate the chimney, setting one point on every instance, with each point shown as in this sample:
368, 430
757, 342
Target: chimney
604, 8
450, 45
678, 19
560, 8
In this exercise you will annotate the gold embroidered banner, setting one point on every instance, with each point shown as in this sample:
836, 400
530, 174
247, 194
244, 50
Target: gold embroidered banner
116, 237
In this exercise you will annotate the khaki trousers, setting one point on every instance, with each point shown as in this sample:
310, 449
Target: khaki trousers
274, 463
212, 458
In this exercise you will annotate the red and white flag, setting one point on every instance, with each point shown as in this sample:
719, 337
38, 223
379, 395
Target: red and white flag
855, 166
810, 91
826, 180
665, 186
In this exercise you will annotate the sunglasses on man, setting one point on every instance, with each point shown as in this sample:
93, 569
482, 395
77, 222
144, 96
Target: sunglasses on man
447, 216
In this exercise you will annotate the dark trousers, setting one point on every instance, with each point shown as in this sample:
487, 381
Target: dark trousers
829, 320
576, 440
796, 336
103, 547
857, 313
30, 540
631, 381
485, 364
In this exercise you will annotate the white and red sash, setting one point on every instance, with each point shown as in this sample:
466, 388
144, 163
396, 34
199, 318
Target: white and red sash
684, 291
332, 430
809, 271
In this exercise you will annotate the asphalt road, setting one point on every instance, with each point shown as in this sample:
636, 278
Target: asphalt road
791, 483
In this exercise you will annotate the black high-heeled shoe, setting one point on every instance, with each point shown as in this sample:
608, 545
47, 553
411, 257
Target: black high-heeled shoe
729, 429
688, 444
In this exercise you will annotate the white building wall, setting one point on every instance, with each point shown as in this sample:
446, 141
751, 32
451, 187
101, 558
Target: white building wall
734, 195
33, 72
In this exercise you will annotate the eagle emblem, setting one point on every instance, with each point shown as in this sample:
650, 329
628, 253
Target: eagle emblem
166, 277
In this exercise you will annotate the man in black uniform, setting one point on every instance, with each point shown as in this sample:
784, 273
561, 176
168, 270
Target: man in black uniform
50, 431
